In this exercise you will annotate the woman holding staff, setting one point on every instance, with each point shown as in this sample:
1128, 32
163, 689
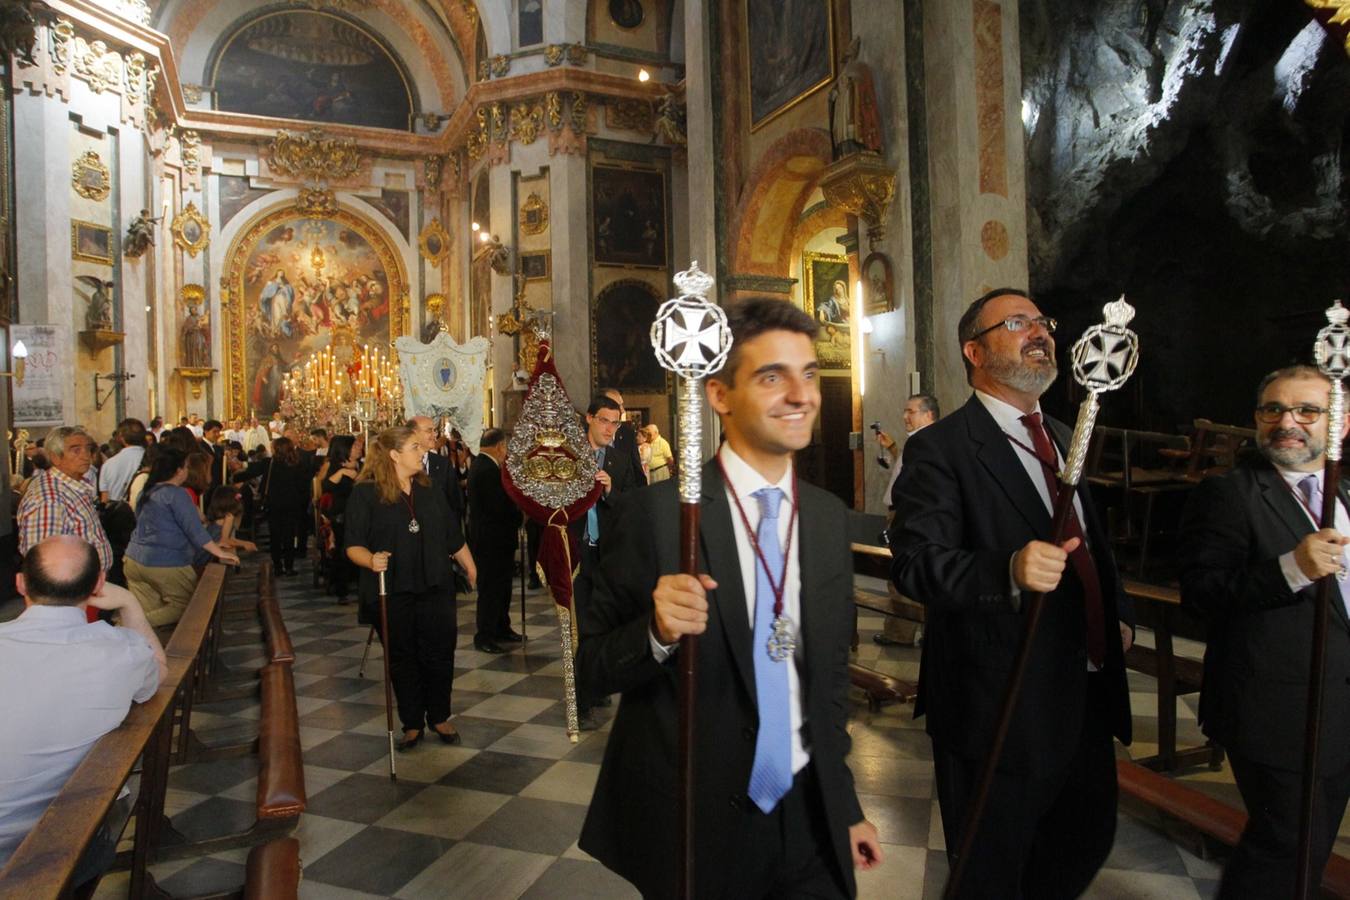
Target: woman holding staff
398, 524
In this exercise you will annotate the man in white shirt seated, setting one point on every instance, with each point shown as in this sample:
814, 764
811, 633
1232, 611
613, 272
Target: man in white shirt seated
64, 683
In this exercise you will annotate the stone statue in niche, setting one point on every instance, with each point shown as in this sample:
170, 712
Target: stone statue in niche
98, 314
671, 118
140, 235
195, 343
855, 119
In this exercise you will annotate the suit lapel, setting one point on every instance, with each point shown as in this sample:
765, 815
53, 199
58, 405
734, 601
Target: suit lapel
809, 542
1281, 502
719, 549
1000, 460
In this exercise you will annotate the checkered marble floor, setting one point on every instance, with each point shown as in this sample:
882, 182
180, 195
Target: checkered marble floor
499, 815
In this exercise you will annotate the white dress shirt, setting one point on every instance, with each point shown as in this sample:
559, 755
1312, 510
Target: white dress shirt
744, 481
116, 474
64, 683
1009, 418
1292, 573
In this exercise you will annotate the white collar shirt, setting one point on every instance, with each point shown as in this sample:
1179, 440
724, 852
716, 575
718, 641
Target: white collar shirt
1293, 575
64, 683
116, 474
741, 482
1009, 419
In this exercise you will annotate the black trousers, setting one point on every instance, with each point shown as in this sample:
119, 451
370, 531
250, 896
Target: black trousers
1265, 861
1040, 837
284, 532
533, 533
788, 852
495, 568
422, 635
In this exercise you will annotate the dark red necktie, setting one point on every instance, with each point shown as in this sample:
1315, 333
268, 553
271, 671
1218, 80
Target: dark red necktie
1081, 558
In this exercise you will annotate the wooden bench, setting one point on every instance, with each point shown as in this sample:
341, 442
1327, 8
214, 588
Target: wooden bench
279, 647
273, 871
1159, 608
879, 687
45, 861
1210, 817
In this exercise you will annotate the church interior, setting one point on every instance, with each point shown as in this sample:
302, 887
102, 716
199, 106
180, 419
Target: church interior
228, 210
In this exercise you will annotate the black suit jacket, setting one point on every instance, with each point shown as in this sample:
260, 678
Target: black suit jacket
630, 826
622, 479
1254, 696
446, 480
493, 519
964, 505
625, 444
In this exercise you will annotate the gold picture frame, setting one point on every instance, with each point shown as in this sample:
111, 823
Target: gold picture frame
434, 242
536, 265
534, 215
826, 297
90, 177
90, 242
191, 231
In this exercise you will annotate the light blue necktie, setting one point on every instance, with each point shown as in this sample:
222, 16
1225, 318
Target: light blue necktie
771, 775
1311, 488
593, 518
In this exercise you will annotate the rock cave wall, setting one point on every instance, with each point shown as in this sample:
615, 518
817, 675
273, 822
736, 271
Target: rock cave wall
1187, 153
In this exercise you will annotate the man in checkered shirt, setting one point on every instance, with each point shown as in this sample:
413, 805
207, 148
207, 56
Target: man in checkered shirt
60, 500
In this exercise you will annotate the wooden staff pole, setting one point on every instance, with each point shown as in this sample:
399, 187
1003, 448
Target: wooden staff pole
388, 685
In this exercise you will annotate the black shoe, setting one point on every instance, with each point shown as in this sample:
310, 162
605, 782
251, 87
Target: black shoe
511, 637
447, 737
408, 743
488, 647
886, 641
535, 584
587, 721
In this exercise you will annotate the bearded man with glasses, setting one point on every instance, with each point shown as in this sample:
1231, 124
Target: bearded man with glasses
970, 538
1252, 548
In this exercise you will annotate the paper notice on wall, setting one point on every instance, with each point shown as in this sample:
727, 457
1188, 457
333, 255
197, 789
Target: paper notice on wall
38, 400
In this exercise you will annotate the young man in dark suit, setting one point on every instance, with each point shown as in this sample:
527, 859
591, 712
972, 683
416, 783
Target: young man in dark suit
625, 439
775, 808
1251, 552
494, 524
970, 540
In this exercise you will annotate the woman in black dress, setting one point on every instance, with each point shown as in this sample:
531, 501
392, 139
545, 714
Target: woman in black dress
398, 524
285, 490
336, 488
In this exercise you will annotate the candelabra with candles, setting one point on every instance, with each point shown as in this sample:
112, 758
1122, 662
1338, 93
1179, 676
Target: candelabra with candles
327, 389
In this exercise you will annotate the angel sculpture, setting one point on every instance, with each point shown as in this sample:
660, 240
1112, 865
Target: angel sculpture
140, 234
98, 316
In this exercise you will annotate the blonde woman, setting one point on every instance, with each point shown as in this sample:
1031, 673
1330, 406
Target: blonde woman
397, 523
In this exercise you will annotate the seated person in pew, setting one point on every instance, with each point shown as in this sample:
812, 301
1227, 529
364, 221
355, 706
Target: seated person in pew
1251, 551
65, 682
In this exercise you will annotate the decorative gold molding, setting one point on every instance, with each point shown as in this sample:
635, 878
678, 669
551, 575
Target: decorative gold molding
98, 341
434, 243
315, 202
533, 215
189, 149
191, 231
629, 115
576, 54
554, 53
195, 377
862, 185
192, 294
478, 138
135, 88
499, 65
526, 122
313, 155
192, 93
90, 177
553, 109
432, 168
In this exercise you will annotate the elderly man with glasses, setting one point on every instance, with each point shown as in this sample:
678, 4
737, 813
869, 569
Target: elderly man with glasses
1252, 549
61, 500
970, 539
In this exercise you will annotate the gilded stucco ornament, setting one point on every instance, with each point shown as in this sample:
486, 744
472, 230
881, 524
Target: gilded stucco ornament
526, 122
96, 64
863, 185
90, 177
191, 231
314, 156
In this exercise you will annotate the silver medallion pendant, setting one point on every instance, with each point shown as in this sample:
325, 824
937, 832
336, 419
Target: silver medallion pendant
782, 642
413, 527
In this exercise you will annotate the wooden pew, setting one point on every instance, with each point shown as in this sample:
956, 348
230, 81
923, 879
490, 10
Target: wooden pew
879, 687
43, 864
1159, 608
273, 871
1210, 817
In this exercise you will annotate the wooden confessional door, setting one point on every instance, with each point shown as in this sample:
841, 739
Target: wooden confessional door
827, 461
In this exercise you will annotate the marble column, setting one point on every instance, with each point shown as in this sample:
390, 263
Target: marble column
972, 68
571, 275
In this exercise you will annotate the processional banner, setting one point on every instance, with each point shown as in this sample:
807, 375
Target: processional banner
442, 378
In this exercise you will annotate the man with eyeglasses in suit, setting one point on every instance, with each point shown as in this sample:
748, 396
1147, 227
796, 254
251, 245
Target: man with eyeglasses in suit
1252, 549
970, 540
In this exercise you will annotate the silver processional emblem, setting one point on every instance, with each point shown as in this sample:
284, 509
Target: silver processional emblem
1103, 359
413, 526
1332, 352
782, 640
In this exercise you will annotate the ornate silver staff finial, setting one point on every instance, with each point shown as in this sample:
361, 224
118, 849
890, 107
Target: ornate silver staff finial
1102, 359
691, 338
1332, 352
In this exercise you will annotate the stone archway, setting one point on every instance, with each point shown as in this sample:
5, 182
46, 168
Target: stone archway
763, 229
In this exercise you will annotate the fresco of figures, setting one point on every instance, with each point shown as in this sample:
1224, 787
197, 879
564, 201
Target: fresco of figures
303, 281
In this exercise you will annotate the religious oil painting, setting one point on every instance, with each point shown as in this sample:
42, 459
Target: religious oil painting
394, 206
530, 25
235, 194
878, 284
790, 53
826, 281
90, 242
628, 209
302, 285
621, 347
535, 265
315, 66
626, 13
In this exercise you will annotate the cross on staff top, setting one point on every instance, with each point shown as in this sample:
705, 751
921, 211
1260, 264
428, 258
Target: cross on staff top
690, 335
